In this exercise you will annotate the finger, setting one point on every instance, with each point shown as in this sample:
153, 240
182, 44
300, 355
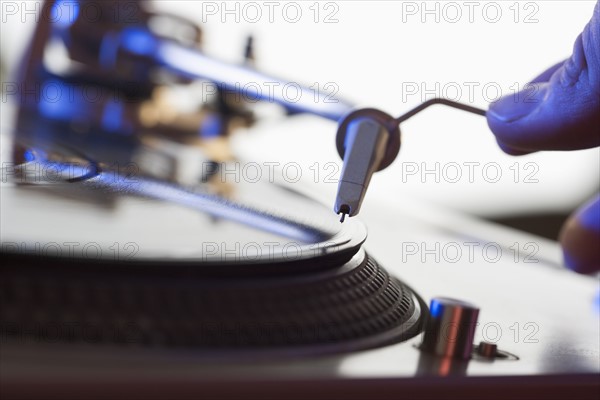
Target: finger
580, 238
547, 74
512, 150
543, 77
562, 113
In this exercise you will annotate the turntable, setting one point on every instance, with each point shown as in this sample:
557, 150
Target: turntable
132, 266
118, 284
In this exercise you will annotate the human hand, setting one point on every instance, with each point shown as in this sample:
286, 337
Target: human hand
560, 110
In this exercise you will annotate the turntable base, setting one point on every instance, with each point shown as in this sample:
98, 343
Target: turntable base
356, 306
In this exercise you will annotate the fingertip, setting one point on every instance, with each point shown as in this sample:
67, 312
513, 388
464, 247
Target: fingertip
589, 214
514, 107
515, 121
580, 239
513, 151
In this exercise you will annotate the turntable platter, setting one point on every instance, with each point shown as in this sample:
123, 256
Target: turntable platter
111, 216
135, 260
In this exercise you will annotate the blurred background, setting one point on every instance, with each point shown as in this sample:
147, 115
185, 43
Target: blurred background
394, 55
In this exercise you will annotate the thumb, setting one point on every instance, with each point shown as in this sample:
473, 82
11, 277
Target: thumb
561, 110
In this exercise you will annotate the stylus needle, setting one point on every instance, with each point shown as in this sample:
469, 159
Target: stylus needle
344, 210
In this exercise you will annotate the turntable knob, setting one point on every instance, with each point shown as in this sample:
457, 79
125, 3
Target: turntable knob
451, 328
487, 350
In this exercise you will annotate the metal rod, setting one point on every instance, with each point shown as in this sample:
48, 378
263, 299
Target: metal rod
445, 102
